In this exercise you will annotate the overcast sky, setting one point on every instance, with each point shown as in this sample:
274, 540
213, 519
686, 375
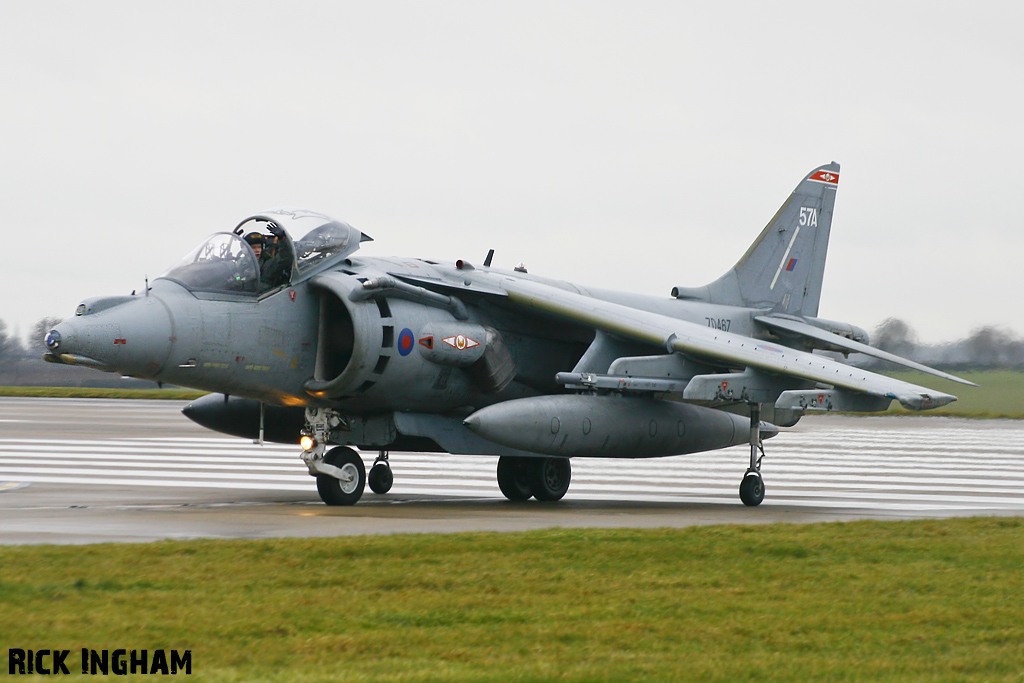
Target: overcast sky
630, 145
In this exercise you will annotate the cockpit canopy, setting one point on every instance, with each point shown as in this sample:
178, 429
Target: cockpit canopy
226, 263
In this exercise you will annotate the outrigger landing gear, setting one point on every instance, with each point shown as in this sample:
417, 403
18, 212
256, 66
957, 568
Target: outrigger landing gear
381, 478
752, 486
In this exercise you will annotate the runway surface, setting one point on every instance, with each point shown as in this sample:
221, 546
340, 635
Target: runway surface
92, 470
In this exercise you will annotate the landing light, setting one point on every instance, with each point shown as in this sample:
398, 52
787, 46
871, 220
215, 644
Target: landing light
307, 442
53, 340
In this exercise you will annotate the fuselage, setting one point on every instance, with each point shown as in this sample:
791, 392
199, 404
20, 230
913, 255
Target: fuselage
267, 347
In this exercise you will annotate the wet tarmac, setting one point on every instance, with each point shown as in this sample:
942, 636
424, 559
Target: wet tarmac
94, 470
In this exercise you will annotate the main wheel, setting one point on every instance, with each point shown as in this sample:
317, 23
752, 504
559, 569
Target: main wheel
380, 478
348, 489
549, 478
752, 488
513, 477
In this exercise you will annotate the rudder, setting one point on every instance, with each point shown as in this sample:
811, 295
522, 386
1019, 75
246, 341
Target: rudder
783, 269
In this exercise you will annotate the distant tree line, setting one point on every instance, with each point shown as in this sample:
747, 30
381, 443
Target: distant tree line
12, 348
985, 348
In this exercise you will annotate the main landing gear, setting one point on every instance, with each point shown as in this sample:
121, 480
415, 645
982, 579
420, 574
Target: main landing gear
752, 486
546, 479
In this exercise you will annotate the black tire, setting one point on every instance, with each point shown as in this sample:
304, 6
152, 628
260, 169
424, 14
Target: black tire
513, 478
380, 478
336, 492
549, 478
752, 489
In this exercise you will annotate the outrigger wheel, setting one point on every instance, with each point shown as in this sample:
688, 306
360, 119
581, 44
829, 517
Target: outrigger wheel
752, 488
348, 489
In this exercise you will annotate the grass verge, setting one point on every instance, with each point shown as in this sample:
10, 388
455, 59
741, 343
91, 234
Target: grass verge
914, 601
98, 392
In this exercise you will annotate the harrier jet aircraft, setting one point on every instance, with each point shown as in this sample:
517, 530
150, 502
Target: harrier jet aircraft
302, 340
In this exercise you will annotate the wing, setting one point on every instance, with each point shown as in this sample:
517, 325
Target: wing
765, 363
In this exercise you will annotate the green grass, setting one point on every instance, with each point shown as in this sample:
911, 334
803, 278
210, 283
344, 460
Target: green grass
893, 601
96, 392
1000, 393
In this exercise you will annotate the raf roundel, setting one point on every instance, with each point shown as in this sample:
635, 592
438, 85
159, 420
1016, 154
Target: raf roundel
406, 341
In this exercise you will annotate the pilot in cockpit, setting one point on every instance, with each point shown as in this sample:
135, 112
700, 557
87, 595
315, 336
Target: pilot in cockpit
257, 241
275, 268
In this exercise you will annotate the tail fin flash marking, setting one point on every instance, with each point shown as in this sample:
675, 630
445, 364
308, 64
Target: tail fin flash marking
826, 177
784, 257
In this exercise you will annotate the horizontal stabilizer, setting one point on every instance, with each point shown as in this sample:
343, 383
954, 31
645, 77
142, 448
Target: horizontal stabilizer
803, 329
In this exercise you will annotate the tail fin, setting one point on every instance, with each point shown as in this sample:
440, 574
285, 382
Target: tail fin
783, 268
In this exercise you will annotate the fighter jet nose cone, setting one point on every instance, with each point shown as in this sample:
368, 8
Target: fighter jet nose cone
62, 338
472, 422
132, 337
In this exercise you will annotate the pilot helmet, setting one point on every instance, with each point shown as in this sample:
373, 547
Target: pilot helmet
256, 238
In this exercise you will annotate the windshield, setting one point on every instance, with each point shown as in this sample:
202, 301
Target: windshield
227, 262
223, 263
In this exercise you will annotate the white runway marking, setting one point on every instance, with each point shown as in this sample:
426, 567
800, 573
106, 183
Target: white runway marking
923, 464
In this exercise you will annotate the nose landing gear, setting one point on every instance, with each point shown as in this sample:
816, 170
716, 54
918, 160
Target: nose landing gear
340, 473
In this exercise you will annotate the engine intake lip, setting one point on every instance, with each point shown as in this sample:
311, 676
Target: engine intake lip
350, 338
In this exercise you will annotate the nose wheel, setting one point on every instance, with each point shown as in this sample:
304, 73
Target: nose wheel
347, 486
